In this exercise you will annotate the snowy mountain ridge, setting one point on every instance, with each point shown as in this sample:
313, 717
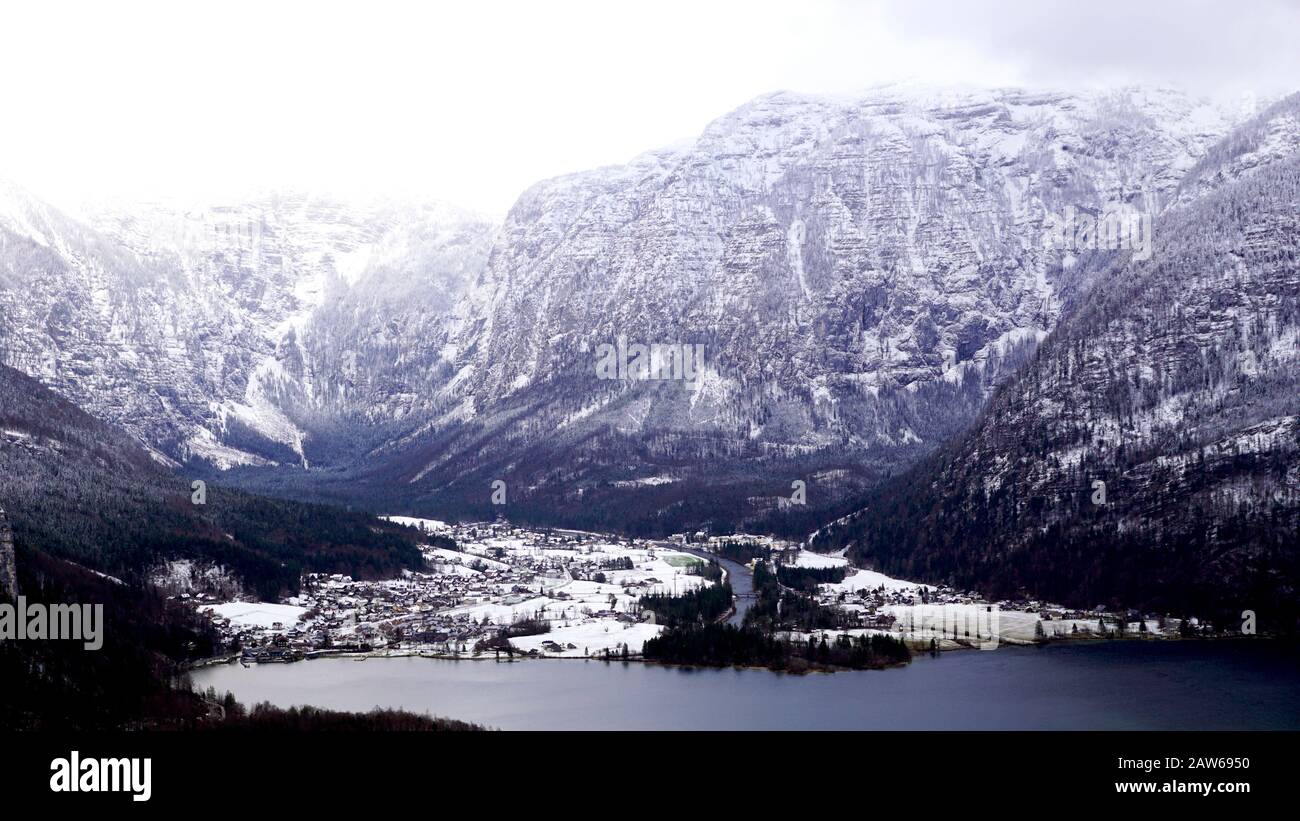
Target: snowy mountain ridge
187, 327
861, 272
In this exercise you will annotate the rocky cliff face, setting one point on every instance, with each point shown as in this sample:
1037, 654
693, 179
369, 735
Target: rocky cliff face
864, 245
859, 273
186, 326
1150, 452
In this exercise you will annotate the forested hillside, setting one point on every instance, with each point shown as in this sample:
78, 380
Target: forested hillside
1149, 454
78, 489
92, 514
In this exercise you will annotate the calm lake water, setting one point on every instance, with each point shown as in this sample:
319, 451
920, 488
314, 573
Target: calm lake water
1106, 685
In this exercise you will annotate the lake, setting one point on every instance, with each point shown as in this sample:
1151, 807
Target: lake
1124, 685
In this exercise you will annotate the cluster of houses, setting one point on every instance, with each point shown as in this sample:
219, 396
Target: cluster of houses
496, 576
877, 606
489, 587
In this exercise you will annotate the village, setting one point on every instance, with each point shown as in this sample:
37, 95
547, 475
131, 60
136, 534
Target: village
507, 591
943, 618
930, 617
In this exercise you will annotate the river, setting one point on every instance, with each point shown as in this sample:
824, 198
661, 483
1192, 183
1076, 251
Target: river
1127, 685
740, 578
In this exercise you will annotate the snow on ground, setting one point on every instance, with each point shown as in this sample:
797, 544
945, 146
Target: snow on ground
455, 569
587, 589
205, 445
257, 614
1066, 627
654, 570
590, 638
871, 580
921, 622
441, 555
501, 613
425, 525
924, 621
807, 558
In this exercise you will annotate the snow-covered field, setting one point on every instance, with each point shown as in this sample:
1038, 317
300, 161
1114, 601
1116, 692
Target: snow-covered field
426, 525
807, 558
588, 590
591, 637
441, 555
257, 614
580, 598
871, 580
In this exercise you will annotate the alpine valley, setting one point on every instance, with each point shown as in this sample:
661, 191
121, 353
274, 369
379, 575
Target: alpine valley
880, 319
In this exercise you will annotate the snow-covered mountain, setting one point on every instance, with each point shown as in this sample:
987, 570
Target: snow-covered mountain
858, 274
858, 271
830, 227
1150, 453
188, 326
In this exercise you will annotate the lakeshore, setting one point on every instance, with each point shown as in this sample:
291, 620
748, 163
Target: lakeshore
492, 590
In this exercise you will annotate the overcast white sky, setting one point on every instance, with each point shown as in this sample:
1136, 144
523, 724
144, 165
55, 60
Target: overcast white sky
473, 101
